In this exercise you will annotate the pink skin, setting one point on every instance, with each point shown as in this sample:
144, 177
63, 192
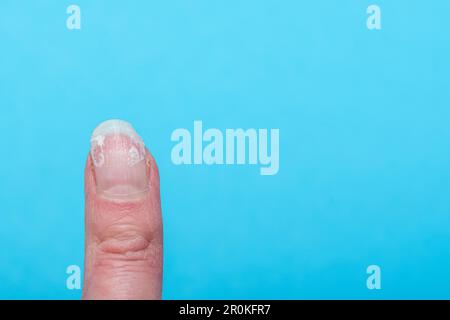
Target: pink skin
123, 245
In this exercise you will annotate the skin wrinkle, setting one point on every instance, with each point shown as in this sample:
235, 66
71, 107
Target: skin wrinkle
122, 271
143, 258
125, 239
122, 283
122, 209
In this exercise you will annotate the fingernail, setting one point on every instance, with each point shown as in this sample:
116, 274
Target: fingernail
118, 154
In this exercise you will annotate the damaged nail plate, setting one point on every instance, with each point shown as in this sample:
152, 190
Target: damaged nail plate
118, 155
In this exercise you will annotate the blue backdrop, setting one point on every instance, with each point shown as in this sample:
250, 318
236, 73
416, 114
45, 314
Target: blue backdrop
364, 119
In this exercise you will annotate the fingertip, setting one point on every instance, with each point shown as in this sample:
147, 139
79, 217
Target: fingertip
123, 217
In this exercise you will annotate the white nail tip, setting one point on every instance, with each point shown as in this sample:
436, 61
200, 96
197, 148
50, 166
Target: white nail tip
113, 127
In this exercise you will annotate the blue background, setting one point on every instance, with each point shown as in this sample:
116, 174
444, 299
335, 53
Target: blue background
364, 141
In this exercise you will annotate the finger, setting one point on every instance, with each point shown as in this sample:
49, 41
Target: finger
123, 244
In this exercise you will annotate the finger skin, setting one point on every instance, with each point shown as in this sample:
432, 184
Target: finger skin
124, 241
